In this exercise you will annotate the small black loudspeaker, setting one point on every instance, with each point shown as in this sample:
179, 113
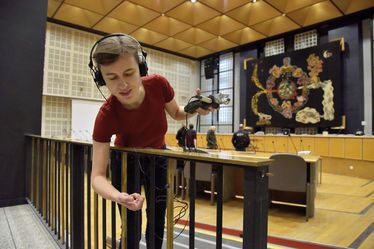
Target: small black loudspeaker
210, 65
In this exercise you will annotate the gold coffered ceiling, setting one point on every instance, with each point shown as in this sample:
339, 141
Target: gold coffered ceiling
201, 28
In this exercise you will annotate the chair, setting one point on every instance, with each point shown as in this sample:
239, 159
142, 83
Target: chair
203, 172
288, 183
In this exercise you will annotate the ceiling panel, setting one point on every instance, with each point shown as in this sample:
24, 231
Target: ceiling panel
134, 14
173, 44
52, 6
72, 14
99, 6
253, 13
244, 36
221, 25
158, 5
350, 6
201, 28
218, 44
224, 5
167, 25
111, 25
192, 13
275, 26
286, 6
316, 13
194, 36
148, 36
196, 51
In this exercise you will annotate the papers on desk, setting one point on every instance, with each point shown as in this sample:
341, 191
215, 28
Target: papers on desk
304, 152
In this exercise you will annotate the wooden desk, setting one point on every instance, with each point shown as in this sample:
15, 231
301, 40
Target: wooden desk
313, 162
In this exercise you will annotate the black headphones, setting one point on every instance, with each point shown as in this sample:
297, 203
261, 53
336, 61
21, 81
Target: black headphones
95, 71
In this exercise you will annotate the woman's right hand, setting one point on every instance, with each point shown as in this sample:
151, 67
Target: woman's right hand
133, 202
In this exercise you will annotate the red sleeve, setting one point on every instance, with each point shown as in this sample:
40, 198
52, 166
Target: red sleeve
104, 126
167, 89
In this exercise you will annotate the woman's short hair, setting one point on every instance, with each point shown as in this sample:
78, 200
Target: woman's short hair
108, 50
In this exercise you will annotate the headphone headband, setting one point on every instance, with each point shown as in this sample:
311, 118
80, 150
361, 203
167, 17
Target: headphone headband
95, 71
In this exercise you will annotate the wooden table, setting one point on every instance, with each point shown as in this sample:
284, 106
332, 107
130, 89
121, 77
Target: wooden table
313, 162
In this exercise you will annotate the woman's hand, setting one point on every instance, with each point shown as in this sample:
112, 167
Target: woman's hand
204, 112
133, 202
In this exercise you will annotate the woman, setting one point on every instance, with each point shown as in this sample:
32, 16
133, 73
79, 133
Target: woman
135, 113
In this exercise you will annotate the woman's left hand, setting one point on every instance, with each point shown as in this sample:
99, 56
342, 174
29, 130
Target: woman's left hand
202, 111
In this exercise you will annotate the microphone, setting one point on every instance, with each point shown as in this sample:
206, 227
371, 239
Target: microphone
288, 133
301, 144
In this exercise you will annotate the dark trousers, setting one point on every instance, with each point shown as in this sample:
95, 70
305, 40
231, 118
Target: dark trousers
144, 164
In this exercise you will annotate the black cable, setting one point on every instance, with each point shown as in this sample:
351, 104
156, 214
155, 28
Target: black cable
97, 85
163, 198
187, 112
181, 214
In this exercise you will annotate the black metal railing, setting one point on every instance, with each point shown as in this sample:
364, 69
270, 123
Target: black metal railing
60, 191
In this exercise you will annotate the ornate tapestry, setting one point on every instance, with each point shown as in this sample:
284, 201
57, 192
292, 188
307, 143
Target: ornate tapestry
294, 89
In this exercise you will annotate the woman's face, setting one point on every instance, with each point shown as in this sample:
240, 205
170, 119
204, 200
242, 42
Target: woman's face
123, 80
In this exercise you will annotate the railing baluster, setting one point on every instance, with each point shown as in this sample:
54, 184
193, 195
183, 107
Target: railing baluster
37, 174
32, 195
113, 204
170, 203
152, 197
192, 194
58, 203
137, 189
103, 213
77, 186
123, 209
255, 207
44, 173
67, 194
96, 221
53, 164
63, 169
219, 214
49, 207
88, 175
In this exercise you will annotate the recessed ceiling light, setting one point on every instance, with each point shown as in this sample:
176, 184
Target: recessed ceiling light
193, 1
254, 1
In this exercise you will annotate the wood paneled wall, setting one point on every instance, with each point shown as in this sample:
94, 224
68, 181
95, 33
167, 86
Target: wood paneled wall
344, 155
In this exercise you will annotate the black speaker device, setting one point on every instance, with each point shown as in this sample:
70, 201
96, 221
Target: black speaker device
210, 65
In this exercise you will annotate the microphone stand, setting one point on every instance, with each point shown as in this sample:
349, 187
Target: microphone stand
288, 132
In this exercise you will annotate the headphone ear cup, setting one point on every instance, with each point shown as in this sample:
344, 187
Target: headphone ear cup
143, 67
99, 78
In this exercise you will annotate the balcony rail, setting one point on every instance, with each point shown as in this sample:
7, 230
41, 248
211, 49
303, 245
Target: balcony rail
59, 173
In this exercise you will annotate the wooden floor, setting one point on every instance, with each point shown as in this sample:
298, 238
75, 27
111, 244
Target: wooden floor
344, 211
344, 215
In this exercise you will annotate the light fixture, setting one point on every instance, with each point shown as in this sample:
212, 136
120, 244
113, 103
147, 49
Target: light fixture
193, 1
284, 14
254, 1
